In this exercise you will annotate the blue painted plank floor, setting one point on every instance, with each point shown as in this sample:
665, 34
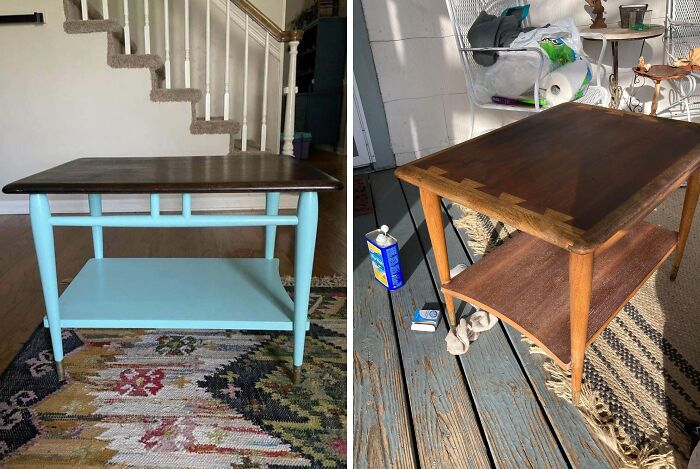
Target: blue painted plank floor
415, 405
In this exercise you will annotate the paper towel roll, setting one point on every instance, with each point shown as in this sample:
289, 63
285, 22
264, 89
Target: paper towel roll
562, 84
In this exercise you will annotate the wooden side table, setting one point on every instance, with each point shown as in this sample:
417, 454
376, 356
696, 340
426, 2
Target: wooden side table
577, 181
177, 293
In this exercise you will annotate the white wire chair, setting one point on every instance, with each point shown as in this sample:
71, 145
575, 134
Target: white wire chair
682, 35
462, 15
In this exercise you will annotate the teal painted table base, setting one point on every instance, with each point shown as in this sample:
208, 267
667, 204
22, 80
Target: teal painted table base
177, 293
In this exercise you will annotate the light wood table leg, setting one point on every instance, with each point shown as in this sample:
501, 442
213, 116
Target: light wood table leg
433, 218
692, 192
655, 98
580, 285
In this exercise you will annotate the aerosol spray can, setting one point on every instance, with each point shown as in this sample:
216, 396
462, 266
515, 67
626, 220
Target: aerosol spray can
384, 254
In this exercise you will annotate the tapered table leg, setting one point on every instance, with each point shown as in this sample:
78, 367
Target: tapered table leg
436, 230
307, 212
580, 286
43, 242
692, 192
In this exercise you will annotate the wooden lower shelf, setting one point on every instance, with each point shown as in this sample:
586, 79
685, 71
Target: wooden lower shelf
175, 293
525, 282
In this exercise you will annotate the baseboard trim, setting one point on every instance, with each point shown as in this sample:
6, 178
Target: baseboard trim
140, 203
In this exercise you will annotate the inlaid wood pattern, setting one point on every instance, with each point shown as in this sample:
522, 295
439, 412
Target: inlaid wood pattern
571, 175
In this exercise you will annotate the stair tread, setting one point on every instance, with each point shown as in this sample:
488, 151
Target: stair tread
79, 26
135, 61
176, 95
91, 26
216, 125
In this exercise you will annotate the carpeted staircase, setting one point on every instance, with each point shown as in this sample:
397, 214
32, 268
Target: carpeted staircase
116, 58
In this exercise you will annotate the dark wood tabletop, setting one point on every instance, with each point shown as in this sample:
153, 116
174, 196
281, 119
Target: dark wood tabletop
244, 172
573, 175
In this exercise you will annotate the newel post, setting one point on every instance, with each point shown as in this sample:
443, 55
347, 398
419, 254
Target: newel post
293, 37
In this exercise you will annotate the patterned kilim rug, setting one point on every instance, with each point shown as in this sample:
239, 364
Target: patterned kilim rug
641, 388
194, 399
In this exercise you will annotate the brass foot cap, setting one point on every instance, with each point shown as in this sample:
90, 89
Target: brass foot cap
297, 375
59, 371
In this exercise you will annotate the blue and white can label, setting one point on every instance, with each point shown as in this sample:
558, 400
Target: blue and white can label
385, 259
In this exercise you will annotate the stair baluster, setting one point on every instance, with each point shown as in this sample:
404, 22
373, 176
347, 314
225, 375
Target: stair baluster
207, 96
263, 123
146, 28
105, 9
84, 9
244, 124
127, 35
166, 15
226, 72
288, 147
188, 75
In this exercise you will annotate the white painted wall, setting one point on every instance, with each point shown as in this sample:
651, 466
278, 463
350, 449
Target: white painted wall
273, 9
62, 101
421, 77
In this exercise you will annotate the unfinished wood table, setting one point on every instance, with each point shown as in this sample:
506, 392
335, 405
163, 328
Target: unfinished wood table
178, 293
577, 181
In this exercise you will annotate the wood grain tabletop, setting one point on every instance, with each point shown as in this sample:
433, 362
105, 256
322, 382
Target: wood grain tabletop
244, 172
573, 175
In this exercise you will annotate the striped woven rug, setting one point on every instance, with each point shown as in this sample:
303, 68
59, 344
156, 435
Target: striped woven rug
641, 390
188, 399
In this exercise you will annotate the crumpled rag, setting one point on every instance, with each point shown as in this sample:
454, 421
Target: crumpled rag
468, 331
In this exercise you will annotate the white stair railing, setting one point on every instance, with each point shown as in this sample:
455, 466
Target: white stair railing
244, 127
146, 28
207, 95
127, 30
263, 123
227, 82
253, 80
288, 147
166, 62
188, 73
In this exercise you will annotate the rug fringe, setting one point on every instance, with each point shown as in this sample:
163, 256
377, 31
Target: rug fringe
479, 240
600, 418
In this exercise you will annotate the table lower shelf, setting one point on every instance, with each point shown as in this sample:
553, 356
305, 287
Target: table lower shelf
525, 282
178, 293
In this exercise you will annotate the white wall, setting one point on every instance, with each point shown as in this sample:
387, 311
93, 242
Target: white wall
421, 77
273, 9
62, 101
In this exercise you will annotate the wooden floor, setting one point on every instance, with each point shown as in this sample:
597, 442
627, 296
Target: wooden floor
415, 405
21, 299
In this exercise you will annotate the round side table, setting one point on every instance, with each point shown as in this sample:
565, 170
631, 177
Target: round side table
659, 73
614, 36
